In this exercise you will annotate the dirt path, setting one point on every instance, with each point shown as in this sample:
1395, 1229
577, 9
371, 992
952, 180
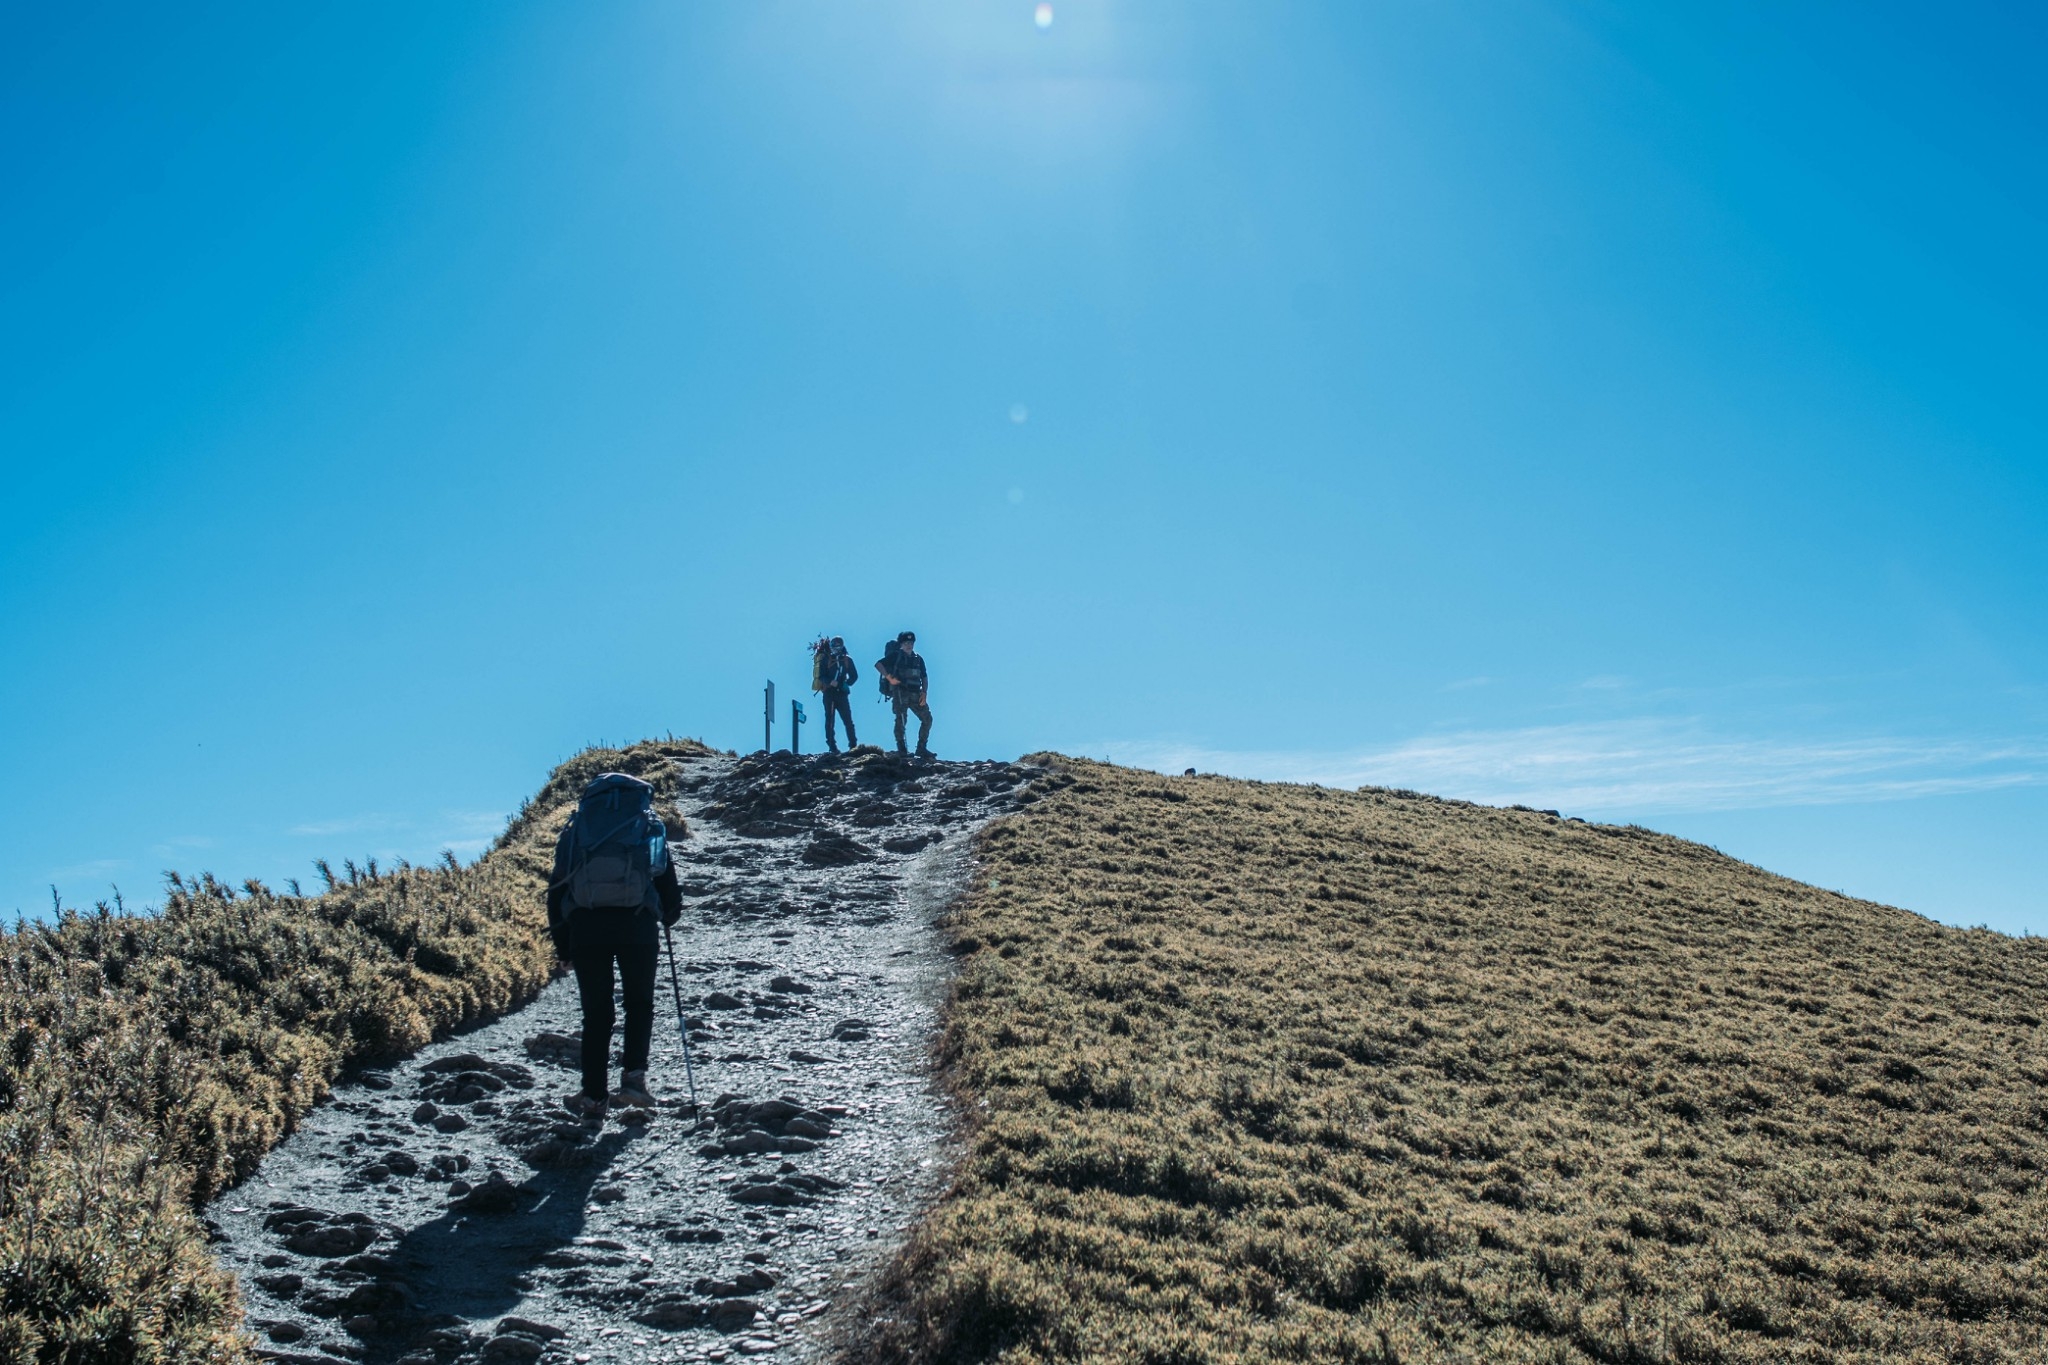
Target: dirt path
448, 1210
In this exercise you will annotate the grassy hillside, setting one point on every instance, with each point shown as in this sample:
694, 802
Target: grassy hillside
146, 1062
1262, 1072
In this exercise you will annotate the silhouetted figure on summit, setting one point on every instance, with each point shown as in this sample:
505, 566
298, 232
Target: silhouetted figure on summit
903, 674
833, 675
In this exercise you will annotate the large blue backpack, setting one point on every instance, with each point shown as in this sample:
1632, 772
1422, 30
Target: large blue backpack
613, 847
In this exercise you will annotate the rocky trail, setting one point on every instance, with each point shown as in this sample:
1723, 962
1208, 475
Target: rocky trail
447, 1209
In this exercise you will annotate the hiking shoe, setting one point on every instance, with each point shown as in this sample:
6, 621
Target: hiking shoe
927, 755
585, 1106
633, 1090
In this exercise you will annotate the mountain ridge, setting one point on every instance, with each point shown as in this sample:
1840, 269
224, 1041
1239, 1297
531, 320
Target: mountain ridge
1260, 1072
1241, 1071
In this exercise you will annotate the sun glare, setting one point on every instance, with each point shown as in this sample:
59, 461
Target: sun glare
1043, 16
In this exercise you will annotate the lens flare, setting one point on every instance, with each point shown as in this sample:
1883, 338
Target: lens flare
1042, 16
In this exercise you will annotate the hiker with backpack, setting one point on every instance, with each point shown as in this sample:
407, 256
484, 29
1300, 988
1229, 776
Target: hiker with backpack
833, 675
904, 683
612, 891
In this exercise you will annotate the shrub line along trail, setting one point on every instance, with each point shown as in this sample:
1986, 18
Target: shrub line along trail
447, 1209
153, 1059
1248, 1072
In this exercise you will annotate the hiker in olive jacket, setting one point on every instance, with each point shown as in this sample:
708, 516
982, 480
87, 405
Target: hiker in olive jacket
902, 669
613, 889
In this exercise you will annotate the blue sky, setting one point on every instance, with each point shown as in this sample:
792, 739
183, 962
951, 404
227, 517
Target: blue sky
1633, 410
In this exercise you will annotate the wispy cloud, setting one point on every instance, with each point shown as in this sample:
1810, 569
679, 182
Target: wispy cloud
387, 837
446, 825
98, 873
467, 834
472, 823
372, 823
98, 867
1634, 767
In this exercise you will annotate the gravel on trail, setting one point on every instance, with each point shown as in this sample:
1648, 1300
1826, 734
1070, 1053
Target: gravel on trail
448, 1208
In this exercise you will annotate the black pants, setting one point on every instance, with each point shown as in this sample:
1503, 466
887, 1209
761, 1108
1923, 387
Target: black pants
593, 959
835, 700
913, 706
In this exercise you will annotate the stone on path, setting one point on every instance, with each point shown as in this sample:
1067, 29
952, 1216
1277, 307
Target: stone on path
374, 1250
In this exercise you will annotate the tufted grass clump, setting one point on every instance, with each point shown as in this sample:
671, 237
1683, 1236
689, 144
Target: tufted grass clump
149, 1061
1274, 1073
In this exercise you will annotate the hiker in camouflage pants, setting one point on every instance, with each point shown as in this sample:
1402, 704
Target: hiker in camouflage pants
904, 671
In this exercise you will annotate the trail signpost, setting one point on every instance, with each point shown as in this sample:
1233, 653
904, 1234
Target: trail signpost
796, 719
768, 720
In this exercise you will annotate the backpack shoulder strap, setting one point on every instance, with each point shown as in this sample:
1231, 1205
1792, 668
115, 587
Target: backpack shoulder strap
567, 844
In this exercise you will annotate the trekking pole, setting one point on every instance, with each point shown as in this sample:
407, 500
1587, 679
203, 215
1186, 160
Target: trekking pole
682, 1024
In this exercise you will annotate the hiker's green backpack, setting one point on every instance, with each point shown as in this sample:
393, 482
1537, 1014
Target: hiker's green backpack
886, 664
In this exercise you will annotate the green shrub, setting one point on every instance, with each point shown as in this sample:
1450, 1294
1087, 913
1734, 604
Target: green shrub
148, 1062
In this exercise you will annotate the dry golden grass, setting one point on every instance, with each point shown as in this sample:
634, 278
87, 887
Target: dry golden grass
1262, 1072
147, 1062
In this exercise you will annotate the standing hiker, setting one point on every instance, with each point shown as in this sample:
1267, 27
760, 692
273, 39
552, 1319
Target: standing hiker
902, 670
613, 880
833, 674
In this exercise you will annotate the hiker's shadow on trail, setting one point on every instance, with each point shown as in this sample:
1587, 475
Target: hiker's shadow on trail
470, 1263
